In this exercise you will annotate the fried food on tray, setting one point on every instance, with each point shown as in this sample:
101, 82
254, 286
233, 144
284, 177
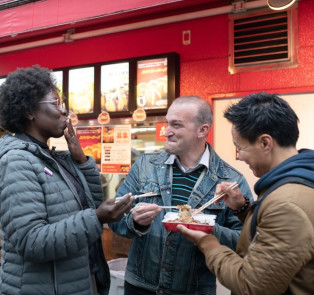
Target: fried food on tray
184, 208
184, 215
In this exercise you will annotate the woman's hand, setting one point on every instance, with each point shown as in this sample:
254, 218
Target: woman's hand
112, 211
73, 143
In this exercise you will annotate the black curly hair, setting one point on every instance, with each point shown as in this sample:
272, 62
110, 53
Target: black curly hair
20, 94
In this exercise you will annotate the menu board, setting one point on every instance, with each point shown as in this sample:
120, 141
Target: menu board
81, 90
110, 146
152, 83
115, 87
90, 141
116, 149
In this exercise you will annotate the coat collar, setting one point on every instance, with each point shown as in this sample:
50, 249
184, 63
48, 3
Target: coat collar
216, 165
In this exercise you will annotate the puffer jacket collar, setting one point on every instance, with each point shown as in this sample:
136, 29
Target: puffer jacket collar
10, 142
21, 141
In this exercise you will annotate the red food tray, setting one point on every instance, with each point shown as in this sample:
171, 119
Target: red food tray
172, 226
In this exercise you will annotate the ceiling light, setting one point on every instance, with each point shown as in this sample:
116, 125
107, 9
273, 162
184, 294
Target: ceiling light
280, 4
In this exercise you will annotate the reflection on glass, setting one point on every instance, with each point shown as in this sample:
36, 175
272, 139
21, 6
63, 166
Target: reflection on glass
145, 140
58, 75
81, 90
115, 87
152, 81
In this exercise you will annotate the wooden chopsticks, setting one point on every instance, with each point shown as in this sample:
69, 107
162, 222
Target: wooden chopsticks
214, 199
149, 194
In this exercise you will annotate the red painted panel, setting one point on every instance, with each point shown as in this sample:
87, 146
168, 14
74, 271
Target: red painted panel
55, 12
207, 44
204, 63
51, 15
306, 26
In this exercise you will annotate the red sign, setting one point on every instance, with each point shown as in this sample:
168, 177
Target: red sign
90, 141
160, 131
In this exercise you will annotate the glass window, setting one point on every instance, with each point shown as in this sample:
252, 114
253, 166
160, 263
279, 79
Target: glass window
81, 90
114, 87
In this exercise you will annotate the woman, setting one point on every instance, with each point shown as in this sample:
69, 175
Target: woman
50, 227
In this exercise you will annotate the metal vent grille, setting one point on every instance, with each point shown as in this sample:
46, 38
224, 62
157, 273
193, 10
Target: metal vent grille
261, 41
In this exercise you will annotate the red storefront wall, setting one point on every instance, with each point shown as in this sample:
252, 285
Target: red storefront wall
204, 63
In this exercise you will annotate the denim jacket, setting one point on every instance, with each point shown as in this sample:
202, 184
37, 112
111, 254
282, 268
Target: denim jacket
164, 261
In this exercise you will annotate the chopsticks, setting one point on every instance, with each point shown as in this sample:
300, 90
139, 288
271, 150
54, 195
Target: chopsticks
168, 207
214, 199
149, 194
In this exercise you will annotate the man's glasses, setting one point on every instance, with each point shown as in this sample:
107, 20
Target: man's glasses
58, 103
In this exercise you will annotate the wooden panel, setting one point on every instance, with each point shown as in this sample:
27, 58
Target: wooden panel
114, 246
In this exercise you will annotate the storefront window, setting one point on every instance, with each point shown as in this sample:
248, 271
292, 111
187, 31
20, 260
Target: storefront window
81, 90
145, 138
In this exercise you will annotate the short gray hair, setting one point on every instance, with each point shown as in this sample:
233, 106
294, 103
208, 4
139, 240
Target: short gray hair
204, 113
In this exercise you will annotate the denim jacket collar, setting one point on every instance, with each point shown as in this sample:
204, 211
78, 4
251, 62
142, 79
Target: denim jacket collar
216, 166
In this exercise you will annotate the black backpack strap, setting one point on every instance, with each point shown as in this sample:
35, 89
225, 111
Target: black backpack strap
282, 181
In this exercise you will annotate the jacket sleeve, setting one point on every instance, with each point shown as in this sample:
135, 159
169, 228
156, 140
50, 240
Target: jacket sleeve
228, 233
278, 253
24, 217
92, 177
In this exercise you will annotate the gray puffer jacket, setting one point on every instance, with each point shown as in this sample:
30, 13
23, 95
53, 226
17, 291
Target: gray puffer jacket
45, 232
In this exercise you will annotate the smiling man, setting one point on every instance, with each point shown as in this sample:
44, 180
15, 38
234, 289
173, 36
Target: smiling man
187, 172
277, 255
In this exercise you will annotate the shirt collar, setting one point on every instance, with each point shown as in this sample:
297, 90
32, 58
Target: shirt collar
204, 160
41, 144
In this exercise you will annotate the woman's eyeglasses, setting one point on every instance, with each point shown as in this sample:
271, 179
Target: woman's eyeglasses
58, 103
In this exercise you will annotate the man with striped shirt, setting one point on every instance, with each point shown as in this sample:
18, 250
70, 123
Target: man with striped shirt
186, 172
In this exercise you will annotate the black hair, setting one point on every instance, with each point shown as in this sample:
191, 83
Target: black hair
20, 94
264, 113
